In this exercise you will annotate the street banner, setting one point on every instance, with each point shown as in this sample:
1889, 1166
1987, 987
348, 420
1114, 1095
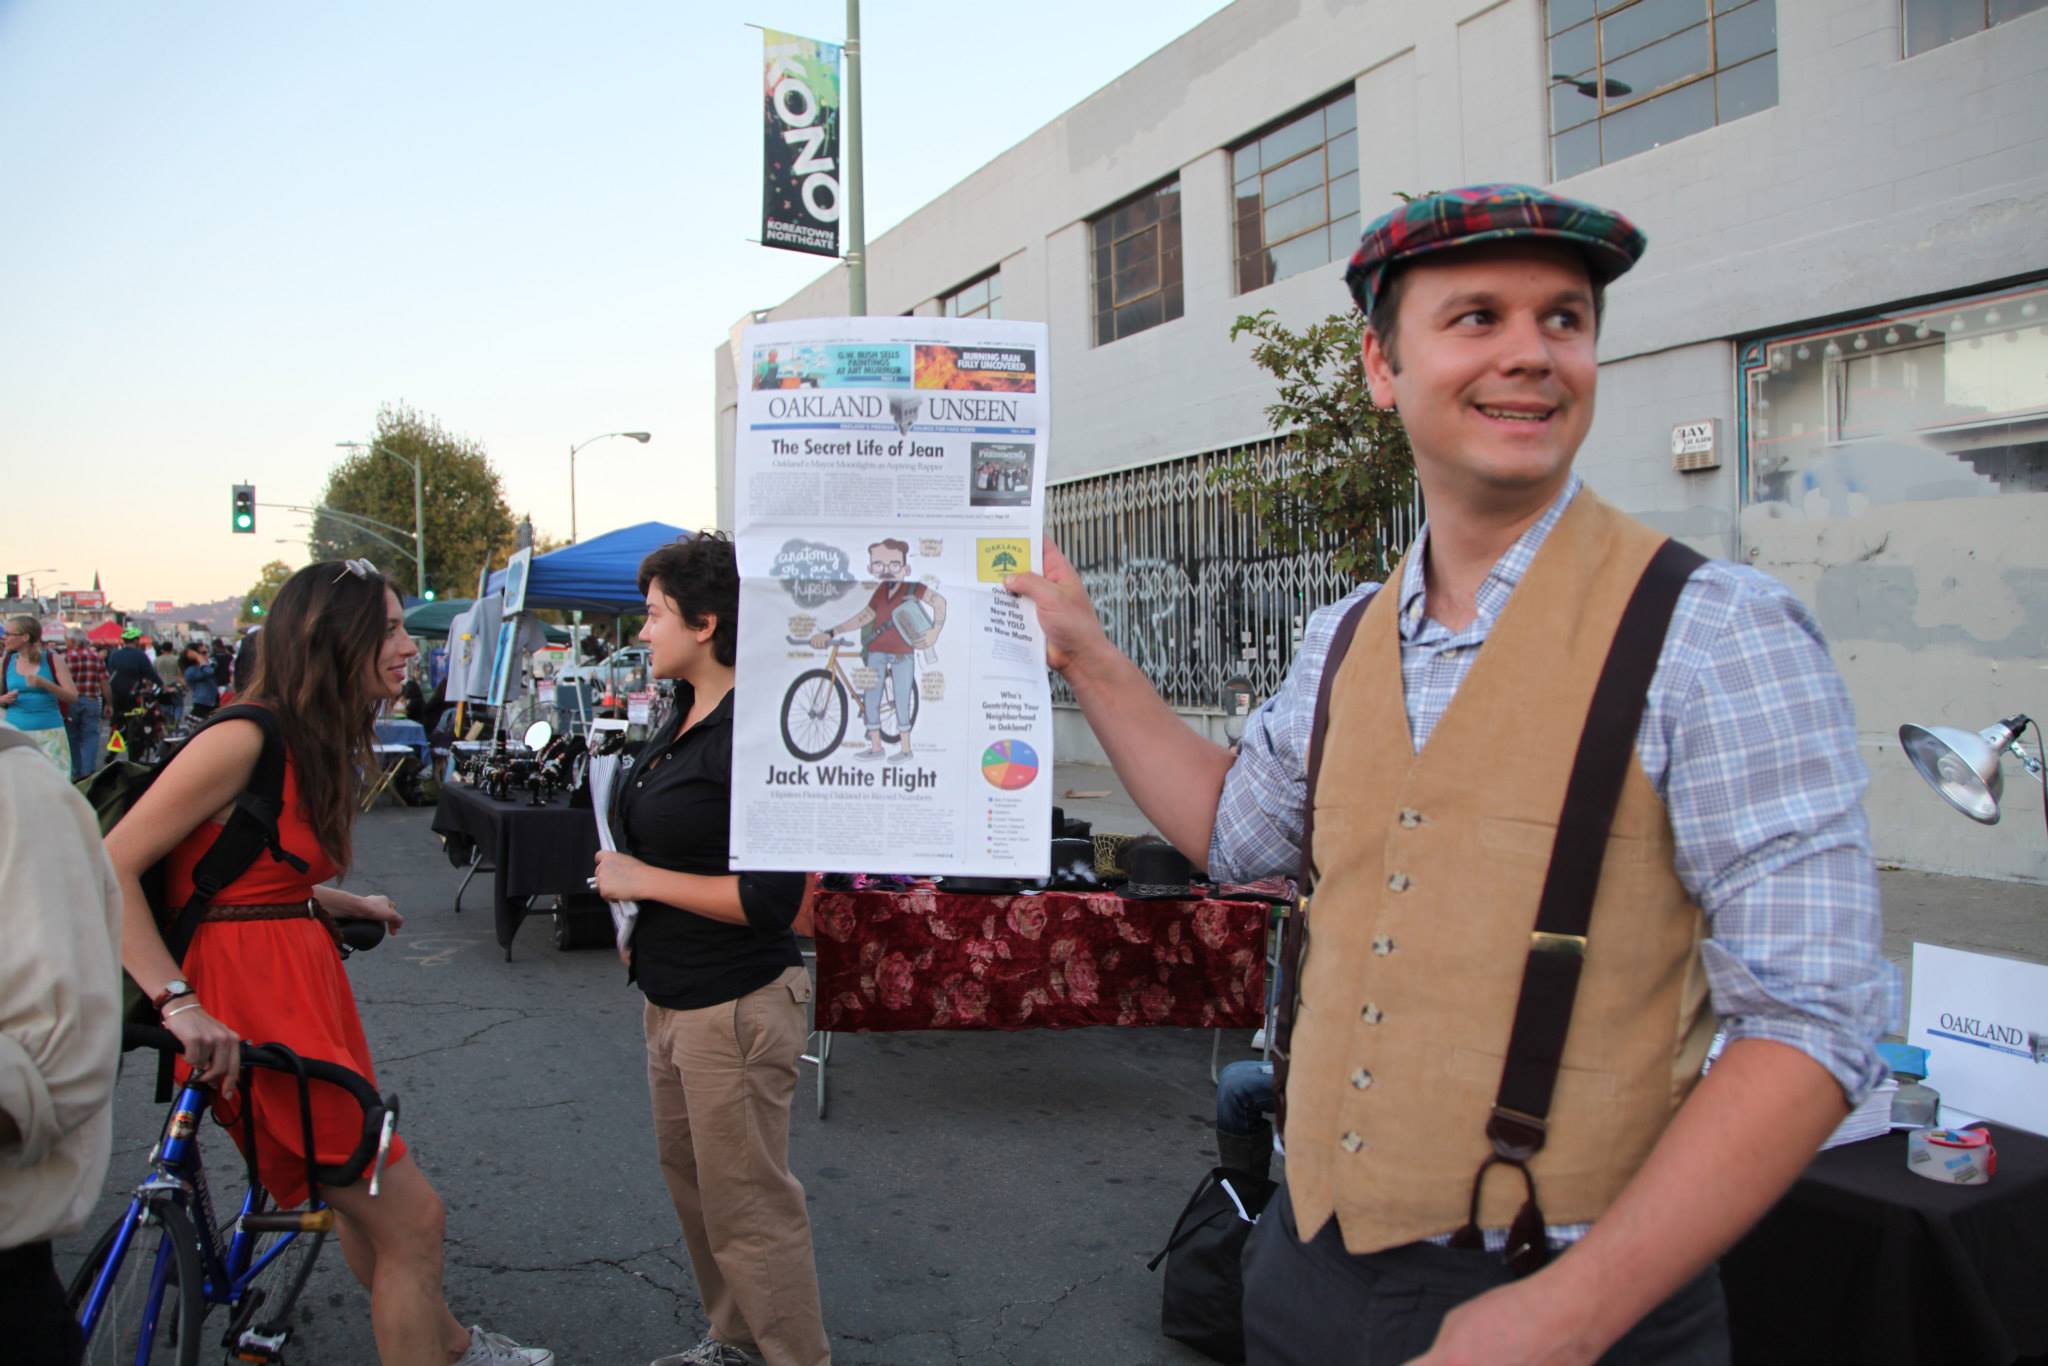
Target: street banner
892, 713
800, 166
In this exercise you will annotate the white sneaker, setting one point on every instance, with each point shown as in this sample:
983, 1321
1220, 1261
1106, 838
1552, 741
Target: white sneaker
495, 1349
1259, 1037
711, 1352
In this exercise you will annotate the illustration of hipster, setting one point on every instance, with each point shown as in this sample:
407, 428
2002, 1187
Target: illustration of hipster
900, 619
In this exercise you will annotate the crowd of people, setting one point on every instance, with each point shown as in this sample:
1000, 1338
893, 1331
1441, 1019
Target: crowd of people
1742, 892
73, 698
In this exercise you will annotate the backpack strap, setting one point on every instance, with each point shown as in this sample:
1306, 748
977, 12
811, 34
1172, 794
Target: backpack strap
1294, 933
1557, 946
251, 828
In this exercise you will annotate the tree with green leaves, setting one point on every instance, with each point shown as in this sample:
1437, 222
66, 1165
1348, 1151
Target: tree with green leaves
256, 602
468, 523
1344, 470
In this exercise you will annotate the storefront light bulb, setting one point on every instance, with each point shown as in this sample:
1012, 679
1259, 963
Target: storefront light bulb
1862, 342
2029, 309
1891, 336
1956, 324
1992, 318
1805, 353
1834, 350
1922, 332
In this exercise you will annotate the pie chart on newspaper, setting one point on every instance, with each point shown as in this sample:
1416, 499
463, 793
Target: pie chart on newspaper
1009, 764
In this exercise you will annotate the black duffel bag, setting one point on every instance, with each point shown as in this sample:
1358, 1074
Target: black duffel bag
1203, 1301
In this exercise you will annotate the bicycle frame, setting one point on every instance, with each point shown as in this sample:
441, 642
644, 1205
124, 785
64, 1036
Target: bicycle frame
178, 1174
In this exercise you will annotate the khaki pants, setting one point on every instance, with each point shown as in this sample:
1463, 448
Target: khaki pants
721, 1080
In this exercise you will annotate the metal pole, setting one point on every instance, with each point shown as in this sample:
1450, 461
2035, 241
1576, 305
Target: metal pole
572, 495
856, 222
419, 532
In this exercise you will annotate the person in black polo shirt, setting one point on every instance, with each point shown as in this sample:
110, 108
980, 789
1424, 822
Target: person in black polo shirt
726, 988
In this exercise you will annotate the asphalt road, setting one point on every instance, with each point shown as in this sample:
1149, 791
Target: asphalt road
975, 1198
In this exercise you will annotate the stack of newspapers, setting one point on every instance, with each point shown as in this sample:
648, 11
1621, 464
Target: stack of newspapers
1868, 1120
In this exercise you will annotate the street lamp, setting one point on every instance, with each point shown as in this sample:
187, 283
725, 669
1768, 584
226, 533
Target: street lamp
419, 534
642, 437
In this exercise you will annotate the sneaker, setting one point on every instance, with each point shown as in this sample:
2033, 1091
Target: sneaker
495, 1349
1259, 1037
711, 1352
866, 756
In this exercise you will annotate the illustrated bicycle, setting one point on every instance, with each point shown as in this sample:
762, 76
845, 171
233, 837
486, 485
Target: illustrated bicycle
819, 703
145, 1290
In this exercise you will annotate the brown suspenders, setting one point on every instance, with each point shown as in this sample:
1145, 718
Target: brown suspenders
1557, 945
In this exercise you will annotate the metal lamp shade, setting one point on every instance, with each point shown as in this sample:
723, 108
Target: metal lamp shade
1961, 765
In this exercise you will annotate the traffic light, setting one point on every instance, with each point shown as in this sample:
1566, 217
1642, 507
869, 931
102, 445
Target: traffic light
428, 595
245, 509
14, 585
255, 610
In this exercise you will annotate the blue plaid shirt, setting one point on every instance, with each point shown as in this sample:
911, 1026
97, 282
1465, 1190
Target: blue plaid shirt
1749, 741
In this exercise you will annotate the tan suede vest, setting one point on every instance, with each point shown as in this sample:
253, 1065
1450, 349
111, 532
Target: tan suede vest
1430, 868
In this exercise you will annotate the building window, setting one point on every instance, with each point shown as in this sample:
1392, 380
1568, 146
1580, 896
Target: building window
1943, 400
1930, 23
1137, 263
981, 298
1297, 194
1629, 75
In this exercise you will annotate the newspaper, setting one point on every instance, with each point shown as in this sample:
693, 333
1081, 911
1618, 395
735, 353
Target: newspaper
604, 776
892, 713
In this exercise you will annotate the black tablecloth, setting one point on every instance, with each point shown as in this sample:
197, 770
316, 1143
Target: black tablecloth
536, 850
1863, 1261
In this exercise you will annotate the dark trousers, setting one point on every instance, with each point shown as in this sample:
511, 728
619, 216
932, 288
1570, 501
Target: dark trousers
1319, 1305
39, 1328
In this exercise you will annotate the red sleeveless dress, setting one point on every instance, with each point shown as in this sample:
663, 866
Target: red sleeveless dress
278, 981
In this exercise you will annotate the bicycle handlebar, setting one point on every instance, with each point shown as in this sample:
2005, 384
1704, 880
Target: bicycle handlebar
846, 641
278, 1058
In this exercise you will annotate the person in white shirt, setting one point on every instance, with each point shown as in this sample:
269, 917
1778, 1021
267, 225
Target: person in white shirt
60, 1040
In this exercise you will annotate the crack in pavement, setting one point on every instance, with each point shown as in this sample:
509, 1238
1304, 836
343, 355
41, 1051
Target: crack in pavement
1002, 1312
513, 1013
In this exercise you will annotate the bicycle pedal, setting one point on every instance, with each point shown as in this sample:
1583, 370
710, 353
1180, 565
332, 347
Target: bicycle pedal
266, 1349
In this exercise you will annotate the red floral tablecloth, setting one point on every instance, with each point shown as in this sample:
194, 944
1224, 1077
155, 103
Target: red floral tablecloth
1060, 960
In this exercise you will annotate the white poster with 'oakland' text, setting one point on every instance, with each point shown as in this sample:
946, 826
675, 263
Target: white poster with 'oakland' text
892, 712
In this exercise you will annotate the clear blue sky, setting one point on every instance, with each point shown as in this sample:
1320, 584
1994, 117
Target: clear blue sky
234, 229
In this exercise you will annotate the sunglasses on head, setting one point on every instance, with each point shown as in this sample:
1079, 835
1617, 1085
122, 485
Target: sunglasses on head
362, 569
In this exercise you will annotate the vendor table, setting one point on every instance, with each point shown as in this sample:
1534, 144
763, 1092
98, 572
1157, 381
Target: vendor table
1864, 1261
529, 850
396, 730
924, 959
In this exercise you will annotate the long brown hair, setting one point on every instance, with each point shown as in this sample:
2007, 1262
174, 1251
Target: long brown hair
323, 632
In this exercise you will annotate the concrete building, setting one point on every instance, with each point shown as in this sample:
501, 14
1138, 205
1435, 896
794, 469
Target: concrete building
1845, 303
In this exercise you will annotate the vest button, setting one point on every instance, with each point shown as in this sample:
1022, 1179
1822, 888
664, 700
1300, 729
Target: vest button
1383, 944
1410, 818
1398, 883
1351, 1142
1371, 1014
1361, 1079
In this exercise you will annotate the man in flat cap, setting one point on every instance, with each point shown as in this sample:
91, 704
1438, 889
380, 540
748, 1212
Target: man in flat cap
1571, 794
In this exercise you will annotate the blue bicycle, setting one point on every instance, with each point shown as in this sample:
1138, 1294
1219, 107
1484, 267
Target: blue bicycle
145, 1290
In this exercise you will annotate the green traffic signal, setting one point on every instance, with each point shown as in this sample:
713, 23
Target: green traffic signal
244, 522
428, 595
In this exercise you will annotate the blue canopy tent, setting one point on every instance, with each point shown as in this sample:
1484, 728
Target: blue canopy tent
601, 574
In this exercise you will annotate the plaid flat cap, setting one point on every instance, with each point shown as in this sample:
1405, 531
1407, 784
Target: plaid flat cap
1490, 213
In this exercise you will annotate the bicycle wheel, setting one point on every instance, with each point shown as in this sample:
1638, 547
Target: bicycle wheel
814, 715
133, 1326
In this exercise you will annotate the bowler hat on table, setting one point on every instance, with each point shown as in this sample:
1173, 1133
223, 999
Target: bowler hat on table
1158, 872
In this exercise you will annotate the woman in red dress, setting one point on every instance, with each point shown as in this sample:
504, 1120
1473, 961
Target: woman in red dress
263, 965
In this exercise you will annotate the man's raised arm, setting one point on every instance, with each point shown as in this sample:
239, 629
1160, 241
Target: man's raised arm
1174, 775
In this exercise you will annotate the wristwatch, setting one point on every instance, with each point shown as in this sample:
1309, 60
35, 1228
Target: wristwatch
173, 989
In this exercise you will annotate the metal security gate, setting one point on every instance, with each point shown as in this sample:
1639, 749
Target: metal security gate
1187, 585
